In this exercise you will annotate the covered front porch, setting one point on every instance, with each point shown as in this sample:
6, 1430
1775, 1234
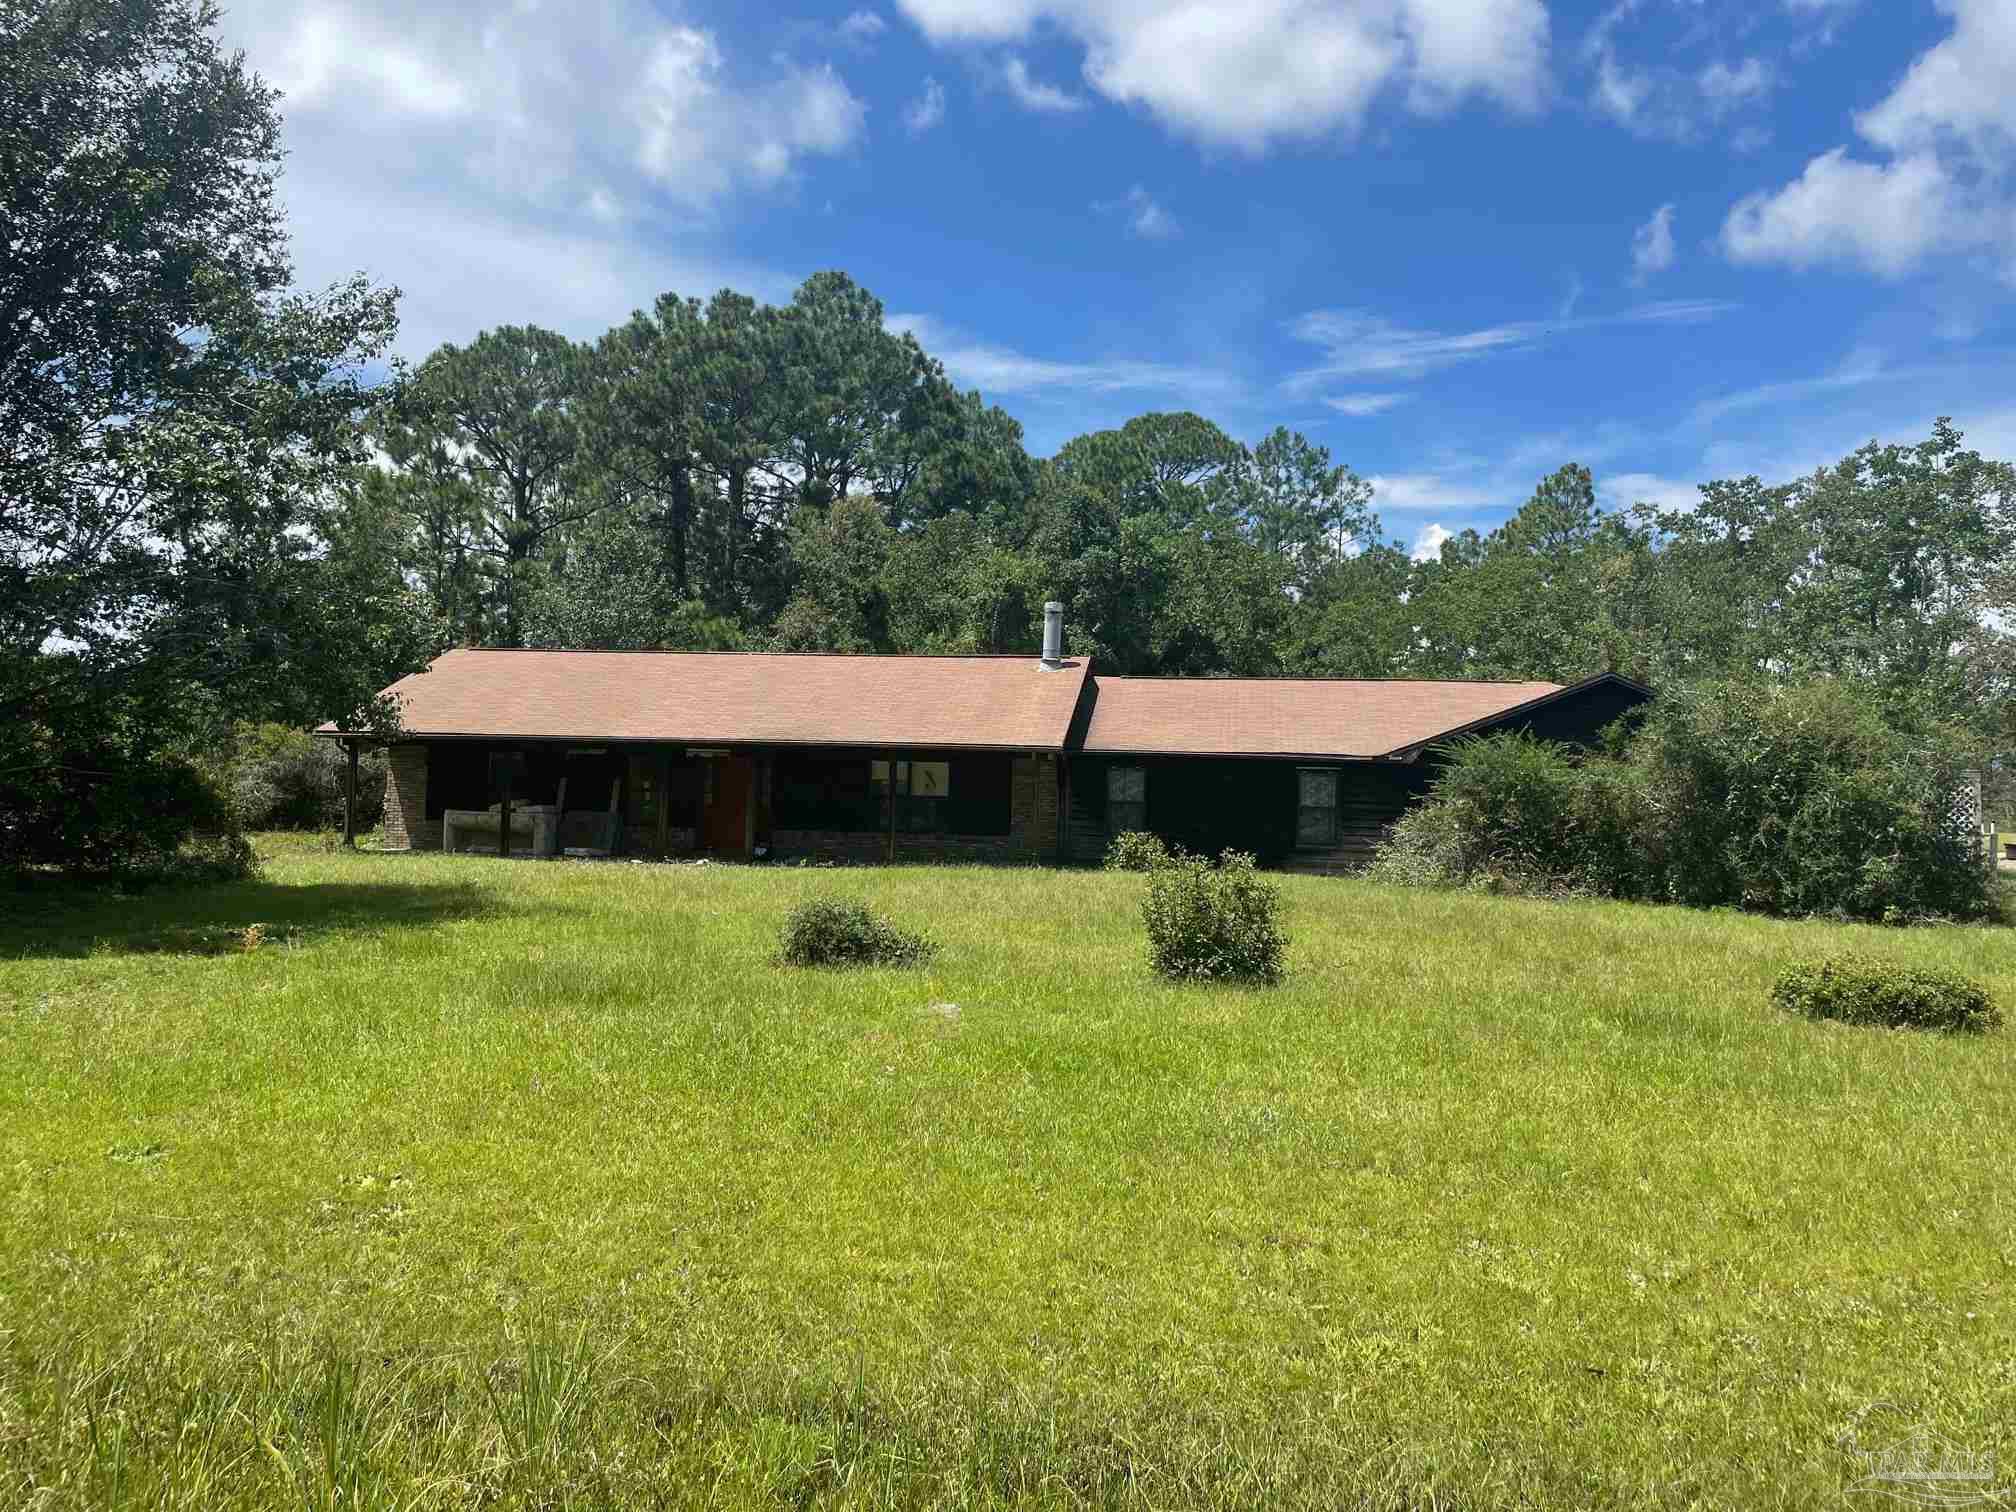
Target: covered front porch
662, 799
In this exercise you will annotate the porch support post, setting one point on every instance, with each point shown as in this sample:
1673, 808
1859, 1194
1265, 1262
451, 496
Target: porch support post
890, 788
350, 797
504, 819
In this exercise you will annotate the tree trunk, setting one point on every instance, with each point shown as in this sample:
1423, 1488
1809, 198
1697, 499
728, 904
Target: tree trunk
738, 487
682, 523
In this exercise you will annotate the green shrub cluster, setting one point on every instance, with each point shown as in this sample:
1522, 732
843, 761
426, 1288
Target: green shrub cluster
278, 777
1807, 800
1787, 800
105, 806
1136, 851
841, 932
1214, 923
1859, 989
1510, 813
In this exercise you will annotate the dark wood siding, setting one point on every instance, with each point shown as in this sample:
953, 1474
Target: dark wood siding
1208, 805
1579, 718
829, 790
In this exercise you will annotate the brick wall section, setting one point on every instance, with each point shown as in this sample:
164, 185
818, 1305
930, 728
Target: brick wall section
1033, 808
406, 824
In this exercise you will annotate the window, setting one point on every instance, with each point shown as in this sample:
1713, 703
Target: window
922, 789
1316, 814
1126, 799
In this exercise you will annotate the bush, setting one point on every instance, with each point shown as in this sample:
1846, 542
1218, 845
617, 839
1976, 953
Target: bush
201, 861
1869, 990
103, 805
278, 777
1511, 813
1806, 800
1789, 800
1136, 851
838, 932
1210, 922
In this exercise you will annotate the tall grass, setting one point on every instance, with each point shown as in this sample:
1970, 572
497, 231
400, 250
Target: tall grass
469, 1183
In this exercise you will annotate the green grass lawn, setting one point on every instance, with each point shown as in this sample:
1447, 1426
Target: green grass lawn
480, 1183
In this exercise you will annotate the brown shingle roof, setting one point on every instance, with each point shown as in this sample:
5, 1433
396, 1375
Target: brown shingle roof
728, 698
1278, 716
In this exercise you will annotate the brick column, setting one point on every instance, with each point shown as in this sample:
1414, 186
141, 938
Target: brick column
406, 826
1032, 819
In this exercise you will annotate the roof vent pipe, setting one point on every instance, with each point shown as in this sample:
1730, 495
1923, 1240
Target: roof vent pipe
1053, 636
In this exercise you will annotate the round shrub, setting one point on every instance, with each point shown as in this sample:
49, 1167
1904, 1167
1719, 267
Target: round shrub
840, 932
1136, 851
1214, 923
1857, 989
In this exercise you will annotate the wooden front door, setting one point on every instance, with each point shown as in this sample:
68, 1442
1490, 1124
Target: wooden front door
726, 823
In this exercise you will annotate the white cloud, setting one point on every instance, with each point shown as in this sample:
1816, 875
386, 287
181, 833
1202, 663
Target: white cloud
1430, 492
547, 102
1003, 370
1360, 344
1266, 70
1960, 87
1947, 135
1660, 99
1032, 93
1571, 295
1885, 217
1359, 406
1145, 217
1652, 245
1621, 92
1428, 542
464, 272
696, 138
514, 163
927, 110
863, 26
1724, 86
1622, 490
1861, 371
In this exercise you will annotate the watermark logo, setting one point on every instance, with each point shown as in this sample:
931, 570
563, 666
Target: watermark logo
1920, 1468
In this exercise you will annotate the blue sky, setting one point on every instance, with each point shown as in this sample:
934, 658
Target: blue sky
1460, 242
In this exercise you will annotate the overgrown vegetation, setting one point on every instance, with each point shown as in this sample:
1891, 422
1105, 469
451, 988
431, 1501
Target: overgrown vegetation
1136, 851
1214, 922
1863, 989
1801, 799
1488, 1204
276, 777
844, 932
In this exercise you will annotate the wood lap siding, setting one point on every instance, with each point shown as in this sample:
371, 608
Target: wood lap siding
1369, 800
1211, 805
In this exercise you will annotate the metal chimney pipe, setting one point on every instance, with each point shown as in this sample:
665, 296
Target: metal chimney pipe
1053, 636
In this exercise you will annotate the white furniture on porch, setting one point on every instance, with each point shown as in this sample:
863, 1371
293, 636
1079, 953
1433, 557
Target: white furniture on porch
535, 828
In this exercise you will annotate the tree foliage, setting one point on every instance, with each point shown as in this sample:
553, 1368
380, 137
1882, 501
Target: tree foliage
174, 415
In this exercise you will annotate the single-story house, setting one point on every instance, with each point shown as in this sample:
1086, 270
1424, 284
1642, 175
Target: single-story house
879, 758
